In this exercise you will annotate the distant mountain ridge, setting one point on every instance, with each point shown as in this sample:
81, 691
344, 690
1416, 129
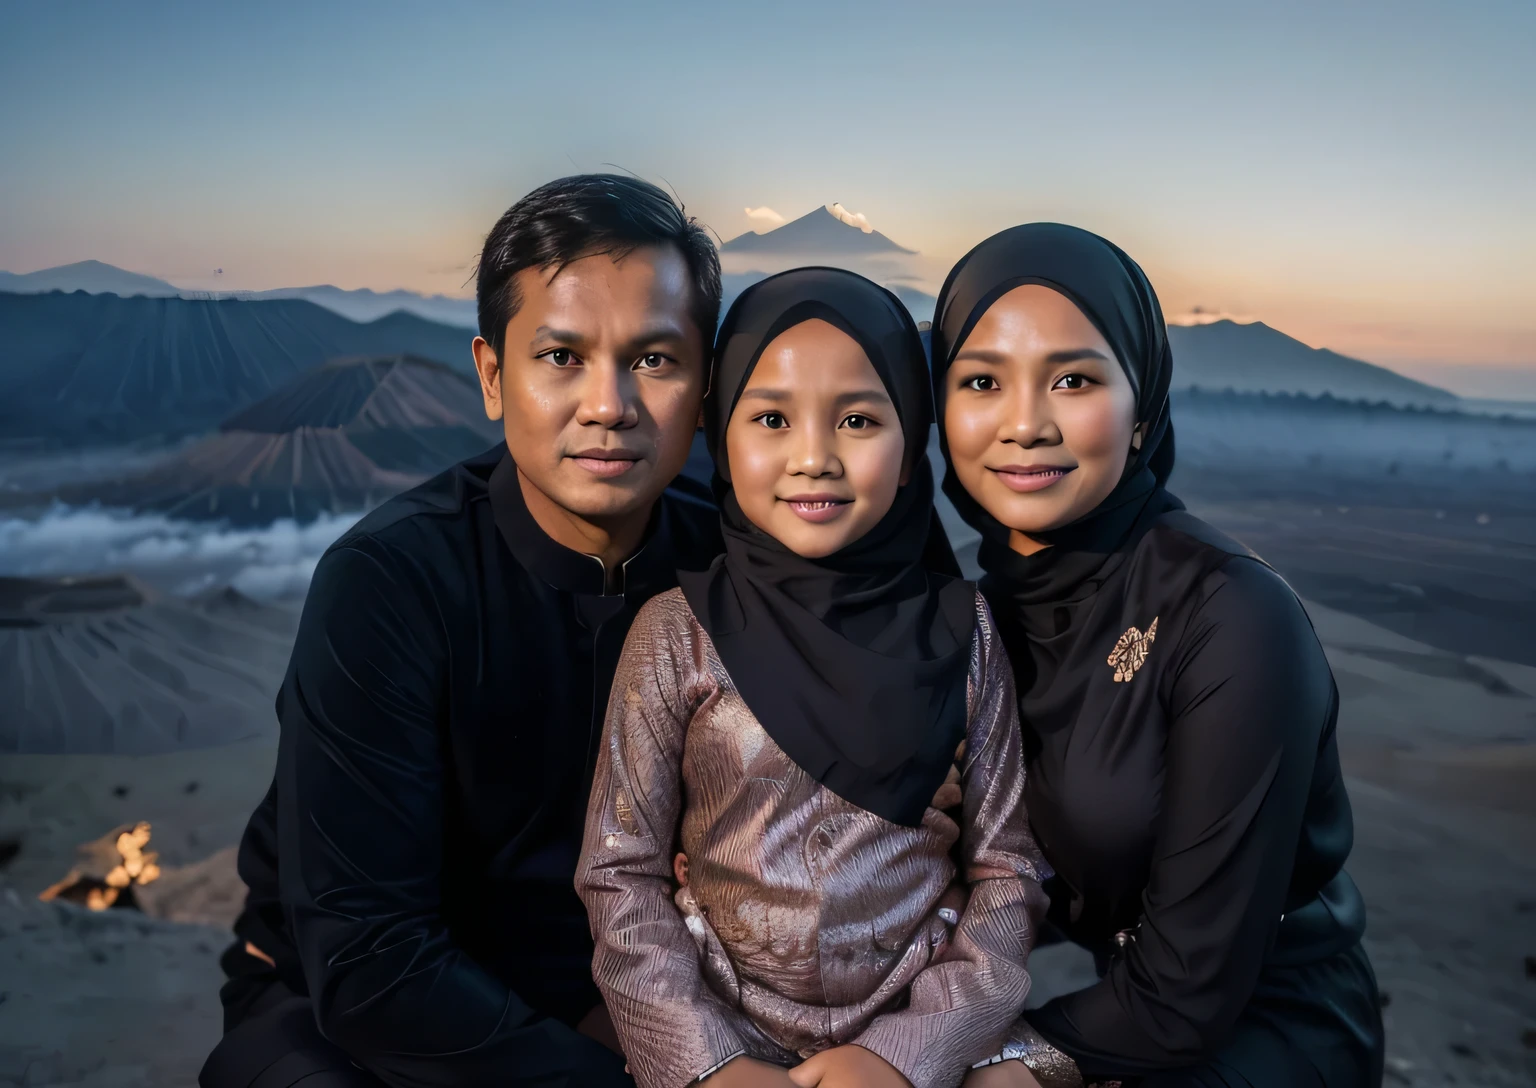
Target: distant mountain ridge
362, 304
89, 369
93, 277
815, 234
1255, 358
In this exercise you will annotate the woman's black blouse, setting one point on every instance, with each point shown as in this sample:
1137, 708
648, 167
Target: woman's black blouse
1194, 806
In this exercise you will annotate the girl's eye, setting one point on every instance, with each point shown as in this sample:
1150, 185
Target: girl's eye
561, 357
774, 421
857, 422
982, 383
653, 361
1071, 381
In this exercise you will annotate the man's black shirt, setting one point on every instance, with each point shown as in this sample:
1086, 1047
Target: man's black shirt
411, 866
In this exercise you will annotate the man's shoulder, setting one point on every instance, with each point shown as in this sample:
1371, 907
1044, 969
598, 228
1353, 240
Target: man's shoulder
437, 513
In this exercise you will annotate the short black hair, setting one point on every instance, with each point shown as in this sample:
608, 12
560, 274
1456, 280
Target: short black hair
582, 215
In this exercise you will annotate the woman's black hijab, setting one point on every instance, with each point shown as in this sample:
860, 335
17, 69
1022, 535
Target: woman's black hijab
856, 663
1115, 295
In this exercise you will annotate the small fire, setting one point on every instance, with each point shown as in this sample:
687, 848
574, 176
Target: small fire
108, 867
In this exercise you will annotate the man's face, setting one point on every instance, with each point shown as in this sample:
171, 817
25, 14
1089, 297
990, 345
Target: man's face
600, 380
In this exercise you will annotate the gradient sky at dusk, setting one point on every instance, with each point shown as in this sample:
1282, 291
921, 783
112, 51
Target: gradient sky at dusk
1359, 175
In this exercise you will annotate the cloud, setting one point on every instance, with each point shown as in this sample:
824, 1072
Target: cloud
1201, 316
766, 214
274, 561
853, 219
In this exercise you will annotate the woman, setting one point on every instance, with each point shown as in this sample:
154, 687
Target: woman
1178, 713
789, 720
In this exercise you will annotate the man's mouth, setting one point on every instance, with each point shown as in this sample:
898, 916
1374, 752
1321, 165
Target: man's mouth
817, 508
607, 463
1026, 478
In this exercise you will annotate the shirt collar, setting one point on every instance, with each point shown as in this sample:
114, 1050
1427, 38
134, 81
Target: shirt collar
646, 571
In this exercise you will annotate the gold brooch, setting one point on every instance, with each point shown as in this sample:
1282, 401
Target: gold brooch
1130, 652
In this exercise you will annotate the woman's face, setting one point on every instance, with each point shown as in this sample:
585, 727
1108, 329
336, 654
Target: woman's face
813, 447
1038, 414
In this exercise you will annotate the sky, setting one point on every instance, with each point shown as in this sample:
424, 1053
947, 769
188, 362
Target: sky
1359, 175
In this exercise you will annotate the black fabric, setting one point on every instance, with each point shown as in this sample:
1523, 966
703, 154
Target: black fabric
282, 1047
855, 664
411, 867
1195, 809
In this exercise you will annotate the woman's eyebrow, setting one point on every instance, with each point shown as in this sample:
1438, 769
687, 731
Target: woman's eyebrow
862, 396
1076, 354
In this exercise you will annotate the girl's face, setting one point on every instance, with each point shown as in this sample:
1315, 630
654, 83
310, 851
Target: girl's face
814, 449
1039, 417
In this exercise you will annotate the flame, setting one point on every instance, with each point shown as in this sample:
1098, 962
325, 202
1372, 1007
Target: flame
135, 865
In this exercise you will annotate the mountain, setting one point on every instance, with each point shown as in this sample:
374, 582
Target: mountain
105, 664
341, 438
1255, 358
815, 234
366, 305
732, 284
99, 369
93, 277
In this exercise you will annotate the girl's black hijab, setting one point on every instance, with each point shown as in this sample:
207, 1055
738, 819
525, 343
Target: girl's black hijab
1114, 293
856, 663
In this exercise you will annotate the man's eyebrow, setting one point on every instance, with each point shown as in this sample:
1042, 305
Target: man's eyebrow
660, 334
560, 336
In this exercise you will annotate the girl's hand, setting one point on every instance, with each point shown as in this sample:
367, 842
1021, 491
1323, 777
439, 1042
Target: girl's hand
848, 1066
1014, 1074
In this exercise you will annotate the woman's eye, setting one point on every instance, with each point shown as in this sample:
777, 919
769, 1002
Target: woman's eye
857, 422
982, 383
773, 421
653, 361
561, 357
1071, 381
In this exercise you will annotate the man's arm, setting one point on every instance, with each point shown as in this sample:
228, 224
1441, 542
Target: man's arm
360, 832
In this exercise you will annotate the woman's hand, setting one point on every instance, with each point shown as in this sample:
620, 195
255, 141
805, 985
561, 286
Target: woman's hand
749, 1073
848, 1066
1011, 1074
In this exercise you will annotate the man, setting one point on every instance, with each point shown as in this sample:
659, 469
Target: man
411, 917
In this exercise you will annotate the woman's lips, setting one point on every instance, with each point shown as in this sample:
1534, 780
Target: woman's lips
1031, 477
818, 508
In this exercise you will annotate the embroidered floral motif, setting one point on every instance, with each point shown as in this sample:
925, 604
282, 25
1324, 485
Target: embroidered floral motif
1130, 652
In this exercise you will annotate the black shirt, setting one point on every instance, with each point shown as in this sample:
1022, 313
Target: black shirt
411, 867
1196, 805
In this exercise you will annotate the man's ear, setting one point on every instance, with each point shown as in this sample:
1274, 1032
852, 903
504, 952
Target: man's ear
488, 367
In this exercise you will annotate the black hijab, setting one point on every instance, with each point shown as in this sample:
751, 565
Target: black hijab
1112, 292
856, 663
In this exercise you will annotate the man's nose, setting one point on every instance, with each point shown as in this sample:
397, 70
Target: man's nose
608, 396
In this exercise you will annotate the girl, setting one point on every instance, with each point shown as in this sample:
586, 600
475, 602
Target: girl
1178, 712
787, 720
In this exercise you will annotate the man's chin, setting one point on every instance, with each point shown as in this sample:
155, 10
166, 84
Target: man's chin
597, 499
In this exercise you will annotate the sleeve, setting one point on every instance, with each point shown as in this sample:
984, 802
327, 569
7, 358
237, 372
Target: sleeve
961, 1007
361, 778
1250, 696
671, 1024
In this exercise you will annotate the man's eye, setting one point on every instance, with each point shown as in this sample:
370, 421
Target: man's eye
774, 421
1071, 381
982, 383
857, 422
653, 361
561, 357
